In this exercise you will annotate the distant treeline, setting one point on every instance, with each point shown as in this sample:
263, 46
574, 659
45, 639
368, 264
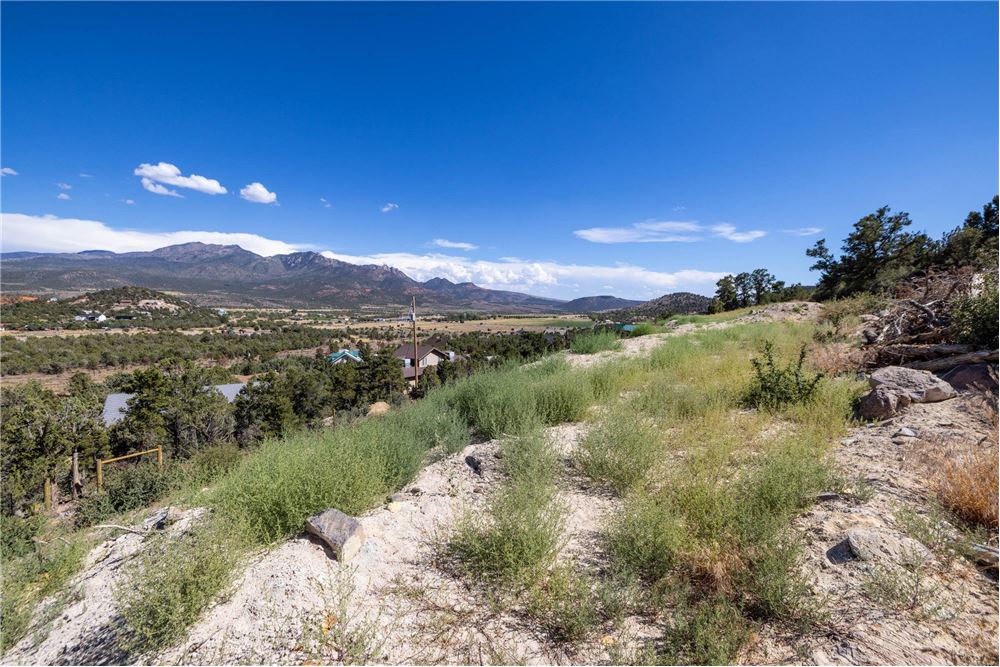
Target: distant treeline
55, 354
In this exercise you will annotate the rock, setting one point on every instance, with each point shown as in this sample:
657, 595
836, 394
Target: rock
918, 386
475, 464
905, 433
415, 491
879, 546
870, 335
879, 404
394, 506
158, 520
343, 534
827, 496
969, 377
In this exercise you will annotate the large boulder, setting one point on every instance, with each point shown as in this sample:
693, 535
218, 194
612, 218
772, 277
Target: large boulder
970, 377
342, 533
917, 386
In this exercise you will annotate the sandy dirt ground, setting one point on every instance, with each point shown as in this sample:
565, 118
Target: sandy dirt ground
399, 602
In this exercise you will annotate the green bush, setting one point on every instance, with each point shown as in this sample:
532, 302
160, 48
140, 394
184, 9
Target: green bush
590, 342
773, 387
127, 488
643, 329
975, 317
17, 535
212, 462
620, 450
563, 605
561, 398
168, 586
34, 576
519, 536
496, 404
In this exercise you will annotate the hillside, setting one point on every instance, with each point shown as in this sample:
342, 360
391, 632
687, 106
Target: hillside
230, 275
597, 304
677, 303
131, 306
492, 535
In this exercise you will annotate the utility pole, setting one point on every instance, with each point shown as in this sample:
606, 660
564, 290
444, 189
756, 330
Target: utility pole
416, 360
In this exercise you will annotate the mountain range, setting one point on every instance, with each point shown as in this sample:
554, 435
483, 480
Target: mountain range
231, 276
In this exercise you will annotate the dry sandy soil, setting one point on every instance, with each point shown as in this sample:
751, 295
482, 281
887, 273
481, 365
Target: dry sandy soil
398, 602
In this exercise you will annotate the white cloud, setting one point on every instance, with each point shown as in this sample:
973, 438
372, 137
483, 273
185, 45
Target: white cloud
64, 186
804, 231
258, 194
85, 175
535, 276
648, 231
389, 207
727, 231
52, 234
169, 174
7, 171
457, 245
158, 189
62, 195
129, 201
665, 231
325, 203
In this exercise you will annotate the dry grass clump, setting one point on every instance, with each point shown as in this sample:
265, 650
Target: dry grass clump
835, 358
968, 485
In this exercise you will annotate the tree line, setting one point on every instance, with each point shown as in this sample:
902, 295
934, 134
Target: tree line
878, 253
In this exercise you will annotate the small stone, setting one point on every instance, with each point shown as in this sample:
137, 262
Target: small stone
825, 496
343, 534
475, 464
415, 491
905, 433
394, 506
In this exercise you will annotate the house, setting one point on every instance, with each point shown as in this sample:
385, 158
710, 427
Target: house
344, 356
116, 405
427, 355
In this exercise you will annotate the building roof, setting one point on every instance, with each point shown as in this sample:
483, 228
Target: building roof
116, 405
405, 351
353, 355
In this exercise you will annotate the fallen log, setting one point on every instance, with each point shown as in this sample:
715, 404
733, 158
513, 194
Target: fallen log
923, 352
943, 364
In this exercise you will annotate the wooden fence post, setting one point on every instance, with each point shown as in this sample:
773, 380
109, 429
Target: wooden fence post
48, 494
100, 474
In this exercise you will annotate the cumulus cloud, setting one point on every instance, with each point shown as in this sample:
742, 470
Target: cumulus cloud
665, 231
62, 195
457, 245
727, 231
168, 174
64, 186
804, 231
49, 233
258, 194
7, 171
386, 208
533, 275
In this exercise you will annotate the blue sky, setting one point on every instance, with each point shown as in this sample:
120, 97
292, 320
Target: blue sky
568, 149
